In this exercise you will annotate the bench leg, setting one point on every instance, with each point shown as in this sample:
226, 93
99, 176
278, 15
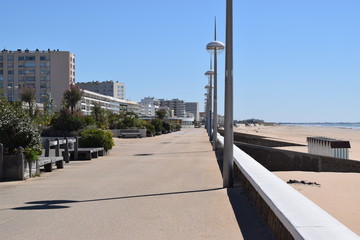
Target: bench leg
60, 164
48, 167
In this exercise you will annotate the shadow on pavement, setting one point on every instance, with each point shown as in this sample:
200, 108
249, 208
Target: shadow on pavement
58, 204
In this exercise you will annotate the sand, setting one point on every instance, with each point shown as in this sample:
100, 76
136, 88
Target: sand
298, 134
338, 193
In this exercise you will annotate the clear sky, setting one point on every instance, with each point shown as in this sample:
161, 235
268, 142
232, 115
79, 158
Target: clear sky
294, 60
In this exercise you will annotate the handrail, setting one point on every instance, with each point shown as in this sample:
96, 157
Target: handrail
300, 216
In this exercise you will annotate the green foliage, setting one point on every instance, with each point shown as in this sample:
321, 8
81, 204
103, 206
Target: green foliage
67, 121
17, 128
32, 154
150, 128
96, 138
28, 95
161, 114
71, 97
100, 116
158, 125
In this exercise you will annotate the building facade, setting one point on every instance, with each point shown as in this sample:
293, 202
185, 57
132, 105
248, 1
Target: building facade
175, 104
49, 73
149, 106
109, 88
193, 107
112, 104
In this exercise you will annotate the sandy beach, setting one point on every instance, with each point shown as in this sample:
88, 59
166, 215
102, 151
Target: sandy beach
338, 193
298, 134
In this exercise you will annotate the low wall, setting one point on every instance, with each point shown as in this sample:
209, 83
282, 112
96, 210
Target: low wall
116, 132
288, 213
260, 140
284, 160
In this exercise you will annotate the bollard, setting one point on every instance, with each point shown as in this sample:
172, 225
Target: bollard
21, 160
76, 146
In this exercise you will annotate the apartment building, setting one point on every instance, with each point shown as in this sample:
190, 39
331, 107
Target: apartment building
149, 106
109, 88
175, 104
112, 104
49, 72
193, 107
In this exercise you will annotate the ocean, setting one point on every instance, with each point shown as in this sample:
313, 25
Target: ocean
328, 124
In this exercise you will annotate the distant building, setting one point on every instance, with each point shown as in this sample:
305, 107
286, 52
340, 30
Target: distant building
149, 106
175, 104
193, 107
112, 104
109, 88
48, 72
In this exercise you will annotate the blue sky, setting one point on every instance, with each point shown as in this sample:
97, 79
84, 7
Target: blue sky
294, 60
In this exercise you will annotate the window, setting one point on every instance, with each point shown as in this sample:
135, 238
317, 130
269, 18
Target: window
30, 64
42, 64
30, 58
10, 65
11, 72
1, 72
42, 58
10, 58
30, 71
10, 79
21, 58
1, 65
21, 72
1, 58
30, 78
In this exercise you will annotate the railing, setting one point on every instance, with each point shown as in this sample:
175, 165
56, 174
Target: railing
288, 213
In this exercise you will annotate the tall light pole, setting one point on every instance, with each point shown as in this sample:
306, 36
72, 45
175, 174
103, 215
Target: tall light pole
215, 47
228, 123
209, 102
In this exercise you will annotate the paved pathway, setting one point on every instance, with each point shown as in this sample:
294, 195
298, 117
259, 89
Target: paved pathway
167, 187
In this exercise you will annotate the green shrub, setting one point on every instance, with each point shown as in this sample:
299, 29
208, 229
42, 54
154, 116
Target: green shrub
64, 120
17, 129
96, 138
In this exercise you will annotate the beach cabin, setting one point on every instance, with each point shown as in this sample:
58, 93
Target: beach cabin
328, 147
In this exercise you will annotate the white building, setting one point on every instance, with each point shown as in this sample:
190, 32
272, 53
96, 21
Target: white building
149, 106
193, 107
109, 88
48, 72
112, 104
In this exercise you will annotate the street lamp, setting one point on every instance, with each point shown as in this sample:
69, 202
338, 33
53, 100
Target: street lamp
209, 74
228, 123
214, 48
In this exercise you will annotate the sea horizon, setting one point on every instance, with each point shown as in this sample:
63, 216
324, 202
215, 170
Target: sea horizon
348, 125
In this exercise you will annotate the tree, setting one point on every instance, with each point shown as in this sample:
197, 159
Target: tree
28, 95
71, 97
161, 114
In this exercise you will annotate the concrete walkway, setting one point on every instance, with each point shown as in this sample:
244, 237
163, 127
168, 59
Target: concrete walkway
167, 187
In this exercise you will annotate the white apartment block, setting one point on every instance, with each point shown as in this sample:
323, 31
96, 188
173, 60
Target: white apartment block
193, 107
175, 104
149, 106
109, 88
112, 104
49, 72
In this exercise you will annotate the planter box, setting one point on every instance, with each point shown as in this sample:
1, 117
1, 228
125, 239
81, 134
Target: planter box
16, 168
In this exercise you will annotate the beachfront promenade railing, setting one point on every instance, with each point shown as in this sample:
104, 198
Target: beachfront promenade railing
289, 214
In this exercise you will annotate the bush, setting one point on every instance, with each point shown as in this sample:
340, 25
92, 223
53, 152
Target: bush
96, 138
17, 129
66, 121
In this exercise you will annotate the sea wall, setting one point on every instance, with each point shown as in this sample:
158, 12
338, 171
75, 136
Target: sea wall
284, 160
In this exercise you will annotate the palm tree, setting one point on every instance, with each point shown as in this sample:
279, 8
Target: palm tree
28, 95
71, 97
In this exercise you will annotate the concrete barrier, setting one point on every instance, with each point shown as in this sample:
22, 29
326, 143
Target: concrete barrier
288, 213
283, 160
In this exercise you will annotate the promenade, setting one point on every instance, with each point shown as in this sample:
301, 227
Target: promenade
167, 187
